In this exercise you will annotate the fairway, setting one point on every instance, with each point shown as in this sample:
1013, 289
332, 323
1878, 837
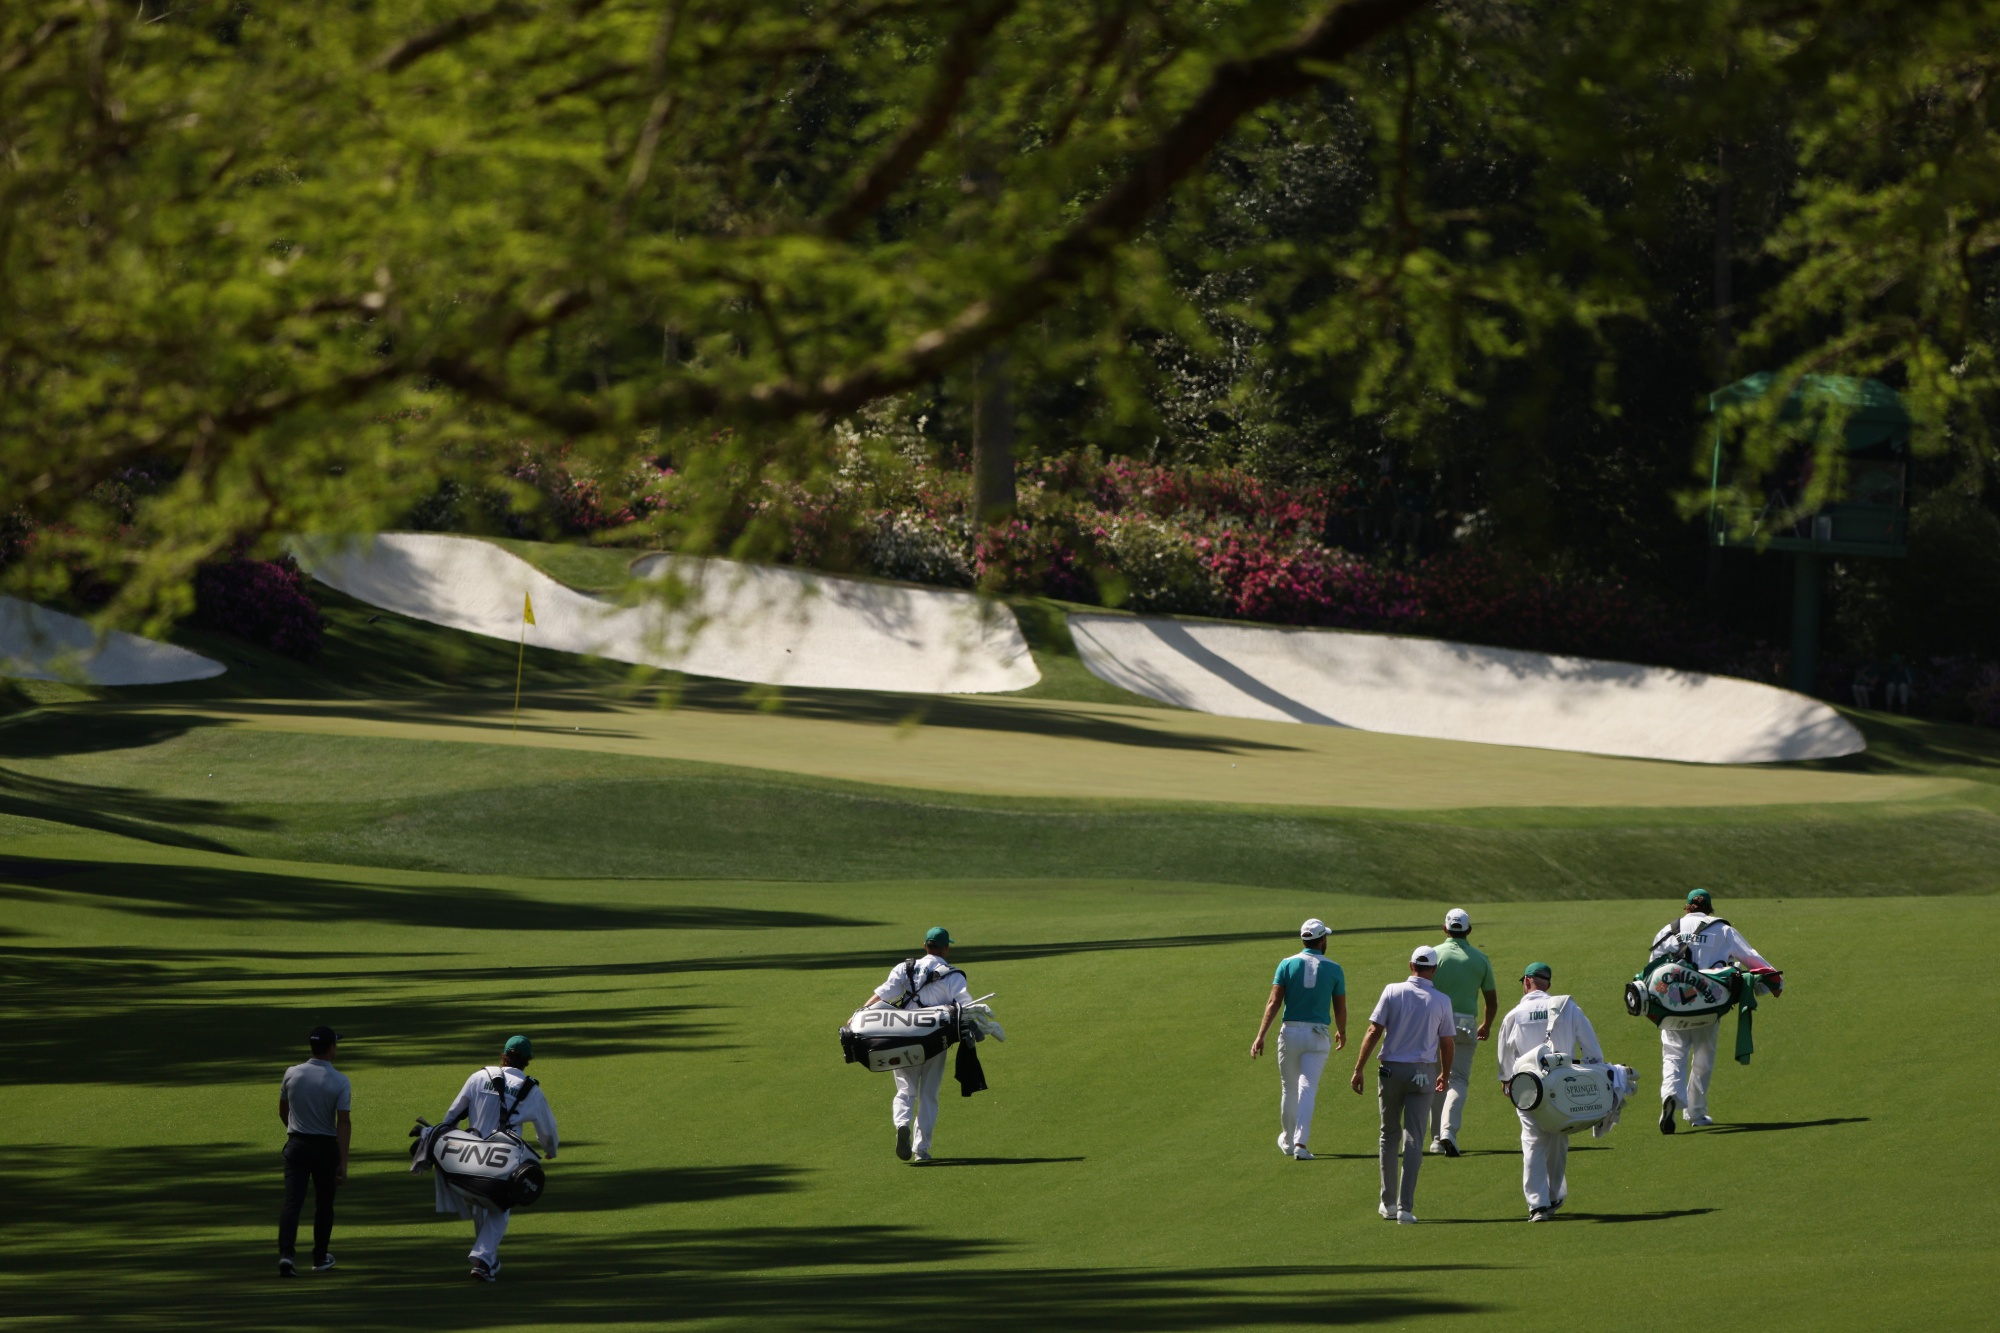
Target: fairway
721, 1166
681, 904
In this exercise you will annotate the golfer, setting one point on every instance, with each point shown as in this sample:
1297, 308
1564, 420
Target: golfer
313, 1101
1412, 1024
486, 1111
925, 981
1465, 975
1687, 1057
1313, 992
1539, 1020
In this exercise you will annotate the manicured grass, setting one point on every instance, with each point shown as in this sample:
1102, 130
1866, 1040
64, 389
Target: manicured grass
722, 1168
682, 904
497, 809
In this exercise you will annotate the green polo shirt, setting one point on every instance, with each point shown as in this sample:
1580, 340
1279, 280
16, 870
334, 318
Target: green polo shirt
1463, 973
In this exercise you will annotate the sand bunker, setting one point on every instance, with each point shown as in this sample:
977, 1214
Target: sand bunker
738, 622
39, 644
1457, 691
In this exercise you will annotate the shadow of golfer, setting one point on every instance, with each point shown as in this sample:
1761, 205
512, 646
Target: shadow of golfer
1766, 1126
1000, 1161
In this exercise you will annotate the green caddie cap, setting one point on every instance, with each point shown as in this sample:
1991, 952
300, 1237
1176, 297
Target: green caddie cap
519, 1046
938, 935
1698, 896
1542, 970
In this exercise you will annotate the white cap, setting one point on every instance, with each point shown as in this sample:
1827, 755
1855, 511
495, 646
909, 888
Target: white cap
1314, 929
1425, 957
1457, 922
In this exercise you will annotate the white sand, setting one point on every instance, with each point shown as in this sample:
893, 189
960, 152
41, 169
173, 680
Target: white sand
39, 644
1457, 691
738, 622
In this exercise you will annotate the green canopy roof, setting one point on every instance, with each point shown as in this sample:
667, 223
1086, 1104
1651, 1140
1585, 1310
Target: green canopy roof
1875, 411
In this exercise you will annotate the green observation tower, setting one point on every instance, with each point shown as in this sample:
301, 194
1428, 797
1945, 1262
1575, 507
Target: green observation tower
1870, 516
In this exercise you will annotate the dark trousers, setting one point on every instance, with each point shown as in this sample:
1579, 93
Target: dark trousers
315, 1158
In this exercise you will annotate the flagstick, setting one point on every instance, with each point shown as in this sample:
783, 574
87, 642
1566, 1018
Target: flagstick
519, 659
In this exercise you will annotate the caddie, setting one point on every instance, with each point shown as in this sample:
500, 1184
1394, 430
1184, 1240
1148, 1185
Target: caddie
1687, 1057
314, 1100
1313, 992
1465, 975
929, 980
1412, 1024
1557, 1022
487, 1109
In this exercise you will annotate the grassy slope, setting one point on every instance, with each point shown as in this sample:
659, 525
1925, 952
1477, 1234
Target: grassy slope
480, 807
722, 1168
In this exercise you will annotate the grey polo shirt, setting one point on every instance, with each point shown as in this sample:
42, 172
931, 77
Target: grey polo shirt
314, 1091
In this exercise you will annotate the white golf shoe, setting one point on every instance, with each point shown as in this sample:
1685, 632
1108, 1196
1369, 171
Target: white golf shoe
1302, 1153
1406, 1218
1284, 1145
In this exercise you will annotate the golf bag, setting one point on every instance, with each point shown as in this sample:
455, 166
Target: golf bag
1562, 1097
1677, 995
879, 1038
496, 1171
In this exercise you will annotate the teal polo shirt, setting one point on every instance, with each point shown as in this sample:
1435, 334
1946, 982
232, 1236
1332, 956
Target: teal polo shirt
1463, 973
1311, 980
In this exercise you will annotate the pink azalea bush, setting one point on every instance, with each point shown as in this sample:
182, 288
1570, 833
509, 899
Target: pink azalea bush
265, 602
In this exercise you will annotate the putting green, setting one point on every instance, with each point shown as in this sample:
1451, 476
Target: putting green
1063, 749
722, 1168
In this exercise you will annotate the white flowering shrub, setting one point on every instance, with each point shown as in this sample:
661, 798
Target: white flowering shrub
1164, 566
921, 548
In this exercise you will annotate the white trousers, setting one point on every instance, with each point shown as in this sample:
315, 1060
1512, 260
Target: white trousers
1687, 1061
1544, 1165
1302, 1052
487, 1229
917, 1099
1448, 1111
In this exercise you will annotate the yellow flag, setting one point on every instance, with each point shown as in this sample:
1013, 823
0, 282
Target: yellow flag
527, 609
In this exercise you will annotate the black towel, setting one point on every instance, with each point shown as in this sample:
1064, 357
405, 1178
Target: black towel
971, 1078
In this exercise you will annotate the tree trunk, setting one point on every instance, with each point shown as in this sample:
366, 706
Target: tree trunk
993, 438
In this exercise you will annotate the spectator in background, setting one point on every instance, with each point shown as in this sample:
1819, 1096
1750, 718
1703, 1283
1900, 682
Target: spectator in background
1896, 685
1865, 679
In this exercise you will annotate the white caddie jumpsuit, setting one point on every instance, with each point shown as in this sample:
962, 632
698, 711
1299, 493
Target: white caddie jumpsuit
1558, 1021
481, 1109
916, 1100
1687, 1056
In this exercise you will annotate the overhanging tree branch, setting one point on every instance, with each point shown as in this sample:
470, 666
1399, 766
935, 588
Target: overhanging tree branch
893, 167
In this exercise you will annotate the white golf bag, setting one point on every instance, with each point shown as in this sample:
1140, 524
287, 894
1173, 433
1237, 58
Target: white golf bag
879, 1038
497, 1172
1562, 1097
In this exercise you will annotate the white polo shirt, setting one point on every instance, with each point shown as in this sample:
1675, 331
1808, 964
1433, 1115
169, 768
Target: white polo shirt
1539, 1018
938, 982
313, 1092
1416, 1014
1712, 940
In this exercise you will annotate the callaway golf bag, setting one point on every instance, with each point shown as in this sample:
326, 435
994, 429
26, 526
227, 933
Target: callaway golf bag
1563, 1097
497, 1171
1678, 996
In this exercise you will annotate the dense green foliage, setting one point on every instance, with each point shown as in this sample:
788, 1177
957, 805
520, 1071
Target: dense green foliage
266, 269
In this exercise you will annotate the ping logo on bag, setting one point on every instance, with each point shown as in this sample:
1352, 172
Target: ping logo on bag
875, 1022
478, 1154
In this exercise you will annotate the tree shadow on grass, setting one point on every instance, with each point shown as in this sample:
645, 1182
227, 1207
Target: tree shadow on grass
127, 1020
227, 893
1770, 1126
125, 811
56, 1185
838, 1279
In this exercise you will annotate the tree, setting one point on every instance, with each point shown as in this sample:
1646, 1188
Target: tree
299, 264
